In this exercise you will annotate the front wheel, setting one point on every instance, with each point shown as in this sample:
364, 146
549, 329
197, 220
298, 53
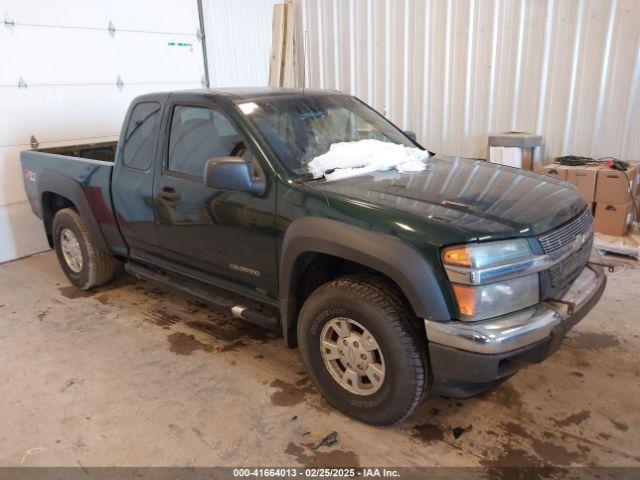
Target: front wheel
362, 353
83, 264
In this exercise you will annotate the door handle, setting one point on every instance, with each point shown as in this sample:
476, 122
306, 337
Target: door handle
169, 194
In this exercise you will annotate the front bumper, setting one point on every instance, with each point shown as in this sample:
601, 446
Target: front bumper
467, 358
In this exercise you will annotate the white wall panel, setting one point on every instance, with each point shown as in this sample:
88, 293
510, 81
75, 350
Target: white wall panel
21, 232
56, 56
70, 63
238, 40
145, 16
11, 189
55, 113
456, 70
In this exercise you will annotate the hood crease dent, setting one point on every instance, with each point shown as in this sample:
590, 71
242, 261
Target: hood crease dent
478, 199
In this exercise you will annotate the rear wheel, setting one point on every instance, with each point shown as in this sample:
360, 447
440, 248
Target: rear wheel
361, 350
83, 264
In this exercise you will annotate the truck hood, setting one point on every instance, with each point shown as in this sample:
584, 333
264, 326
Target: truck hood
478, 199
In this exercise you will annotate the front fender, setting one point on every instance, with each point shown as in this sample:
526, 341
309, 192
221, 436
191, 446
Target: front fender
413, 274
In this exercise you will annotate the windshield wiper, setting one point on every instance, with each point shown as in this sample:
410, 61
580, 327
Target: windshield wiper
307, 177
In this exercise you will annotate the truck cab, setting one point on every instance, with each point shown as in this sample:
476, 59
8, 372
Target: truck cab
171, 218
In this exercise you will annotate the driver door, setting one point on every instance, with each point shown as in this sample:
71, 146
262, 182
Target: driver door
225, 238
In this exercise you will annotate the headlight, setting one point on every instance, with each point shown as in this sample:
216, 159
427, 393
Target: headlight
483, 255
485, 301
471, 269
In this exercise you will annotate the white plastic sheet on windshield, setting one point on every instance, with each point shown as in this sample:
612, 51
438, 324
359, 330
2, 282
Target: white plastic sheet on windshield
349, 159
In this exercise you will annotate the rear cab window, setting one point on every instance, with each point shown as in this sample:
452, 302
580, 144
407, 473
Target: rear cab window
140, 139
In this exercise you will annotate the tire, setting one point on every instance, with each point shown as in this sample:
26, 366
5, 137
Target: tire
97, 267
374, 305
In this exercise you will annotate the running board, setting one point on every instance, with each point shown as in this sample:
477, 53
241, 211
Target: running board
208, 295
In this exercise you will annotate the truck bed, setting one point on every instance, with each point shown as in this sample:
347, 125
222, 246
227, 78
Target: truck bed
105, 151
78, 176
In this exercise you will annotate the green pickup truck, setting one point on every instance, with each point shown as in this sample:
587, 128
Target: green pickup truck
392, 285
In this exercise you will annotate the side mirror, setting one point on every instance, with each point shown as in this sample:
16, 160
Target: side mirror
232, 174
411, 135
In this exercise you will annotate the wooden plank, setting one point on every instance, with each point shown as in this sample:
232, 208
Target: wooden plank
282, 64
288, 62
277, 45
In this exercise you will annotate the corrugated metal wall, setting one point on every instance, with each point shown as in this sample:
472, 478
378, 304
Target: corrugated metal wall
238, 40
455, 70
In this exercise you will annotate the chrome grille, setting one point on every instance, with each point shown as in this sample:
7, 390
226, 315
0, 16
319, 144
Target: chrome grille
569, 268
565, 271
564, 235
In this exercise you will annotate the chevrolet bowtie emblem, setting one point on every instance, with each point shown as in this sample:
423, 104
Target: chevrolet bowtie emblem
581, 239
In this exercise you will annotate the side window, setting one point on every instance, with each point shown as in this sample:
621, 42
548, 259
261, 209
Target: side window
140, 138
199, 134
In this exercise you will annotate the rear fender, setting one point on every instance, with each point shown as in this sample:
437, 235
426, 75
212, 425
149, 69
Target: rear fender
72, 190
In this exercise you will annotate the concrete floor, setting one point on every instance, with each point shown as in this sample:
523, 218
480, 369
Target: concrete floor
133, 375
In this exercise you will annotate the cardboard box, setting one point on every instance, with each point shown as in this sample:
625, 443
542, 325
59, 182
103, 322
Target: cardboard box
584, 178
554, 170
613, 186
613, 219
